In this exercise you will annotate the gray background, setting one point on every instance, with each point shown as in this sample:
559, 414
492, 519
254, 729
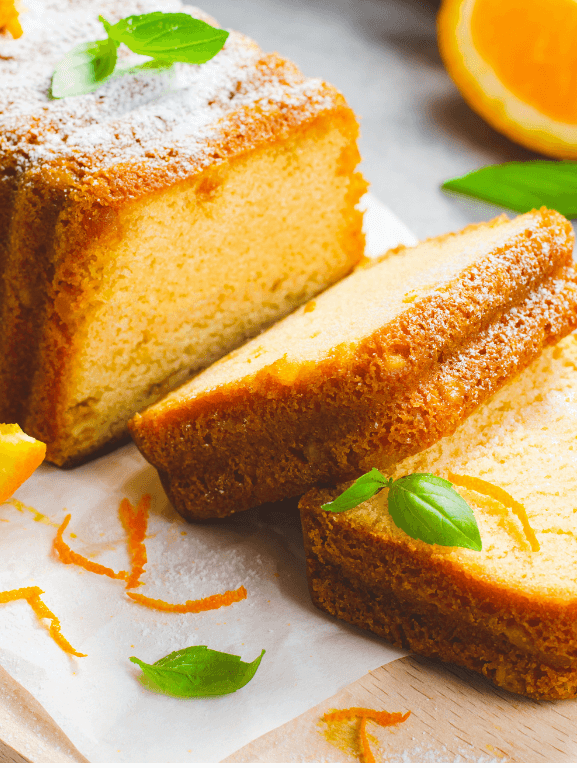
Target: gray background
416, 130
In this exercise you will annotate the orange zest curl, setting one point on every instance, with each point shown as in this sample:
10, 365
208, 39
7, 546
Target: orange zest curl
191, 606
381, 718
365, 750
364, 714
497, 493
68, 556
32, 597
136, 523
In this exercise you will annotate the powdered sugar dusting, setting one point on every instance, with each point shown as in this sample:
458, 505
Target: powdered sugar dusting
142, 116
463, 271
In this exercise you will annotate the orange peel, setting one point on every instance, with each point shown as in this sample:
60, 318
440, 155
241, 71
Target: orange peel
20, 455
9, 21
136, 524
68, 556
32, 597
515, 63
380, 717
499, 494
191, 606
364, 747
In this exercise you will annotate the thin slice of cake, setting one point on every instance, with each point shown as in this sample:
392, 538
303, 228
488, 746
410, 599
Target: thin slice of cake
508, 611
149, 227
377, 368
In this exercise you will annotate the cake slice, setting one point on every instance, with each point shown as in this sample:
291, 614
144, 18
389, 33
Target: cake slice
508, 611
149, 227
375, 369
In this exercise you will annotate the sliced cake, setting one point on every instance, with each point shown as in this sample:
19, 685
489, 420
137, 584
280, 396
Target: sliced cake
375, 369
149, 227
508, 611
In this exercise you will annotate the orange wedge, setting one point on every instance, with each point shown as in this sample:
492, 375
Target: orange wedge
9, 18
515, 63
20, 455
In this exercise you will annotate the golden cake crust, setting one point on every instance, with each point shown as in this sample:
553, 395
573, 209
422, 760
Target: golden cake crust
407, 624
508, 611
322, 416
90, 214
71, 169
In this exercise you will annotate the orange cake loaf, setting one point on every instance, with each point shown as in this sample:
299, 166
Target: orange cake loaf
149, 227
508, 611
377, 368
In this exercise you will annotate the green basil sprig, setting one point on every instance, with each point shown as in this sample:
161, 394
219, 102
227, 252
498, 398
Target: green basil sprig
84, 68
522, 186
166, 37
197, 671
423, 505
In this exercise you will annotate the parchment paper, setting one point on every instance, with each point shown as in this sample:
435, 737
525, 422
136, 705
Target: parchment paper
97, 700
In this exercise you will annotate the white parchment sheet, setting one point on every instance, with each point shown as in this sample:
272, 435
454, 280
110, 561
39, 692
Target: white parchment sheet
97, 700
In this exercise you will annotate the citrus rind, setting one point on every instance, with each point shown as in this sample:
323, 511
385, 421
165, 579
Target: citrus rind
488, 96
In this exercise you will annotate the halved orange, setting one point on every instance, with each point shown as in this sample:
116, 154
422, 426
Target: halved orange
515, 63
9, 18
20, 455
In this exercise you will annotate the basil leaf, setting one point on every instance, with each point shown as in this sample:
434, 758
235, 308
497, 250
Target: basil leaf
84, 69
361, 490
197, 671
427, 508
154, 65
168, 36
523, 186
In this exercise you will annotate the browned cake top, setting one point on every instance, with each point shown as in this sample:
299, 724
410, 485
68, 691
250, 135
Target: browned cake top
171, 119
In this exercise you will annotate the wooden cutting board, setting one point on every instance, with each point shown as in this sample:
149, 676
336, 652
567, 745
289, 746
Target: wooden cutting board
455, 716
27, 732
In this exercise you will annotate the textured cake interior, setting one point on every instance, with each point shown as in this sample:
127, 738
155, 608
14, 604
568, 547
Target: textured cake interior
352, 310
192, 272
507, 611
149, 227
376, 368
